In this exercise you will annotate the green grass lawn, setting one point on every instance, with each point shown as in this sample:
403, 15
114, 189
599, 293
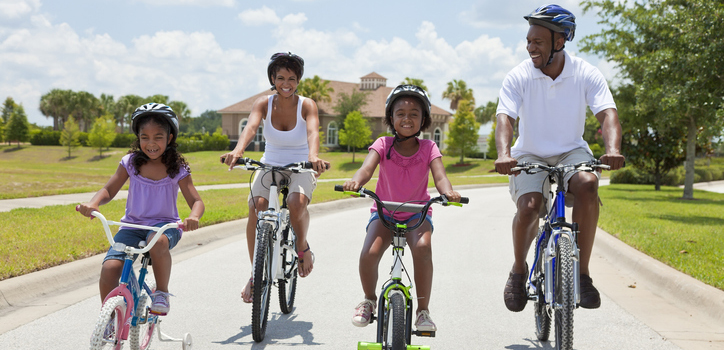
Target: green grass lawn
687, 235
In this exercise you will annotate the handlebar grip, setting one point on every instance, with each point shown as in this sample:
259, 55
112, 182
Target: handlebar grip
338, 188
464, 200
238, 161
309, 165
181, 225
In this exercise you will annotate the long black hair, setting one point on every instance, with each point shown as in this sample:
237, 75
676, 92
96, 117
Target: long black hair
170, 157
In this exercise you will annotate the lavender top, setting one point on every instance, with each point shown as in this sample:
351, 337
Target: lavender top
151, 202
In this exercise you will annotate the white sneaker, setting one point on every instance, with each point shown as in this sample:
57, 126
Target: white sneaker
424, 322
363, 313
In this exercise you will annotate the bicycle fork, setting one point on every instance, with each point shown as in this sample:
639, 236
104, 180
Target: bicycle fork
549, 256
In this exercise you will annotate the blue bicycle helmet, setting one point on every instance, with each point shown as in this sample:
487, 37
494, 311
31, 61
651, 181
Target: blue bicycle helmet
556, 19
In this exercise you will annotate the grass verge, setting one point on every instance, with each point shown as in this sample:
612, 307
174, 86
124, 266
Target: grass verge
687, 235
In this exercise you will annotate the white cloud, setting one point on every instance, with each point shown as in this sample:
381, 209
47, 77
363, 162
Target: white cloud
203, 3
11, 9
259, 17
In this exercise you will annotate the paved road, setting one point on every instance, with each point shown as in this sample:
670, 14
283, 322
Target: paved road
471, 254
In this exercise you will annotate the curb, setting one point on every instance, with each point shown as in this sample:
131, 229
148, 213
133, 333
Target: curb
668, 282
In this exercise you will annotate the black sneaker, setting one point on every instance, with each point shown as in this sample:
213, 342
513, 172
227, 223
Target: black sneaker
590, 298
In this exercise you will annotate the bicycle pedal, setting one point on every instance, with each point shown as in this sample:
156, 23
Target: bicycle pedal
430, 334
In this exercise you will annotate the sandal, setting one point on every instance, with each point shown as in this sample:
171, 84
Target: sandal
300, 256
251, 290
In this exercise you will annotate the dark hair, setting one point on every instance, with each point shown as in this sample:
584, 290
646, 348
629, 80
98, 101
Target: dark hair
426, 119
170, 157
285, 62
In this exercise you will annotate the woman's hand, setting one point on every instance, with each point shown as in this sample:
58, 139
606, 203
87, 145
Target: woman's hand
320, 165
231, 157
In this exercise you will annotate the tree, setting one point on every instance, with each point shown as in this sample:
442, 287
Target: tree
672, 51
85, 107
457, 90
316, 89
463, 135
356, 132
415, 81
18, 129
69, 136
103, 133
127, 105
56, 104
182, 111
347, 104
486, 113
7, 109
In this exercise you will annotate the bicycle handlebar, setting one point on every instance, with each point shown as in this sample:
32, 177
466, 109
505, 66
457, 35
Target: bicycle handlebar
585, 166
402, 207
251, 164
122, 247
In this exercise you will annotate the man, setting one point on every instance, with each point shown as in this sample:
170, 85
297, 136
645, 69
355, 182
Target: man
549, 93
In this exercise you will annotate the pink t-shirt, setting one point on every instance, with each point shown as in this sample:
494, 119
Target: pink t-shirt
401, 178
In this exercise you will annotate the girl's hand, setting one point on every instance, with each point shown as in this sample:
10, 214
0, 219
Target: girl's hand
319, 165
231, 158
191, 224
452, 196
86, 209
351, 185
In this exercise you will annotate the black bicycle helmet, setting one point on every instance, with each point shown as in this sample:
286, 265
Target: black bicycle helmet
411, 91
155, 109
556, 19
286, 60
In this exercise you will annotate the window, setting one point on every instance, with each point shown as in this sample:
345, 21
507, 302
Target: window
332, 137
259, 132
437, 137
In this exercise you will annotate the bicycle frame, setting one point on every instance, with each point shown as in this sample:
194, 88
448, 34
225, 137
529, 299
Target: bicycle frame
273, 215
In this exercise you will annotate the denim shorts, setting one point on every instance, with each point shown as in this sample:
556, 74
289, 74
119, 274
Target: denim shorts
413, 219
132, 237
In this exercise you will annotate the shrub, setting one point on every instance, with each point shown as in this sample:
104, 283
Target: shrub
123, 140
83, 139
597, 150
45, 138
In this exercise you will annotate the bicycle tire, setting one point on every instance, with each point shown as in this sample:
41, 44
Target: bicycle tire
288, 284
541, 309
141, 335
564, 294
113, 310
262, 282
394, 337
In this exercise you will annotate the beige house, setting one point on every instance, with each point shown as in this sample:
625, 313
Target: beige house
235, 117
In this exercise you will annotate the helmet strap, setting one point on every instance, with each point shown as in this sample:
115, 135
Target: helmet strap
399, 139
553, 48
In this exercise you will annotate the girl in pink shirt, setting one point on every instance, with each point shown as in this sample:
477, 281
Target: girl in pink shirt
405, 164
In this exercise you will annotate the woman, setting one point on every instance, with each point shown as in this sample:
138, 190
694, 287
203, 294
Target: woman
291, 130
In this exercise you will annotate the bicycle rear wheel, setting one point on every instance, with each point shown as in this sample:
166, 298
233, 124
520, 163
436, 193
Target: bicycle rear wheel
288, 284
564, 294
541, 309
394, 322
111, 319
140, 336
262, 282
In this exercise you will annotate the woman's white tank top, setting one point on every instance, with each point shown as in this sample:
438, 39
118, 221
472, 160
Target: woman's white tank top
284, 147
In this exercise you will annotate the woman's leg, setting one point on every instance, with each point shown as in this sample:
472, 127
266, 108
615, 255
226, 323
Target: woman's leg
299, 217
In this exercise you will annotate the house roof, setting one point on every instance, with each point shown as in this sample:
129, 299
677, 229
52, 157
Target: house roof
374, 108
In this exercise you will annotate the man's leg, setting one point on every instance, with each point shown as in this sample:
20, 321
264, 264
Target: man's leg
584, 187
525, 225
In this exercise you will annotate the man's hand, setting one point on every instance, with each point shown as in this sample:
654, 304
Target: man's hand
614, 160
504, 164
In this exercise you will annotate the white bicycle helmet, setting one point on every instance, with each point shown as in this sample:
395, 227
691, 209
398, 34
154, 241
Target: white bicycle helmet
155, 109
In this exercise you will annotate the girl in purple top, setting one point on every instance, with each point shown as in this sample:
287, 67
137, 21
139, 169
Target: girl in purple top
157, 172
405, 164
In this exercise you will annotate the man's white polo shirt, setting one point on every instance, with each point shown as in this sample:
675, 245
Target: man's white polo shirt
553, 112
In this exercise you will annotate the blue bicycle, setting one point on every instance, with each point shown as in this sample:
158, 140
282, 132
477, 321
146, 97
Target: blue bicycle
125, 314
554, 279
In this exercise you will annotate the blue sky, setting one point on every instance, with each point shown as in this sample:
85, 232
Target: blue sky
213, 53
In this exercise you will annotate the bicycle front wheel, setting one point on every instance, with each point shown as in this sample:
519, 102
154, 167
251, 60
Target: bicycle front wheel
394, 322
141, 334
262, 282
564, 294
107, 333
288, 284
542, 310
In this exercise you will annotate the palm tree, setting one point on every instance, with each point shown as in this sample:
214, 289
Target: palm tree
486, 113
126, 106
414, 81
56, 104
182, 111
316, 89
85, 107
456, 91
